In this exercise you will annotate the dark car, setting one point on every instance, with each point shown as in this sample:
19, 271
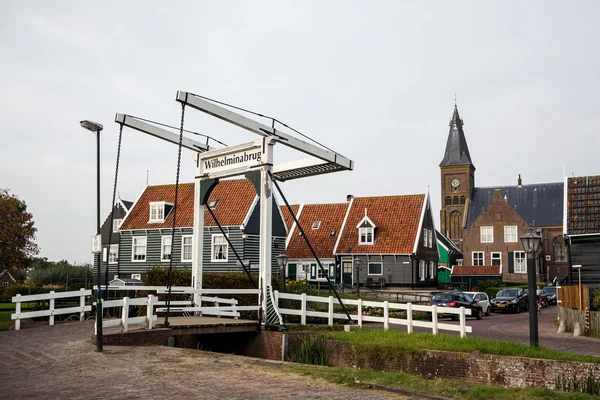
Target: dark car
549, 293
510, 299
457, 300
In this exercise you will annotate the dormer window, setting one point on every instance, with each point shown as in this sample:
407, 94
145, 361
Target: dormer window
365, 235
159, 210
316, 224
212, 203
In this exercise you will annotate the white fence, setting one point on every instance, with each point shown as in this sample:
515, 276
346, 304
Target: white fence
434, 324
52, 311
125, 320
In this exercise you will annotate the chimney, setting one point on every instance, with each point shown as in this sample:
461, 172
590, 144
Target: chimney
349, 197
519, 181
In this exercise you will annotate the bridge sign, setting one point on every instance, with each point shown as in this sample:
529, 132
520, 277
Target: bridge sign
233, 160
97, 244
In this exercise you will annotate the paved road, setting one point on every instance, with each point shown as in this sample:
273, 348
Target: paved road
61, 362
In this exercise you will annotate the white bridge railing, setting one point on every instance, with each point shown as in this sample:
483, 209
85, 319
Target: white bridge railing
409, 322
52, 310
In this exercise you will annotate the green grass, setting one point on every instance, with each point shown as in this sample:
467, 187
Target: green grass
453, 389
405, 342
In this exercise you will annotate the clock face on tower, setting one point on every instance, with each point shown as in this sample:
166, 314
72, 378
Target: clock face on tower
455, 183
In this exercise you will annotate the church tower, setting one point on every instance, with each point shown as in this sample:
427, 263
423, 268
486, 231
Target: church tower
458, 181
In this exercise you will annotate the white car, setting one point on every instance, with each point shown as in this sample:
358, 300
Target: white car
483, 300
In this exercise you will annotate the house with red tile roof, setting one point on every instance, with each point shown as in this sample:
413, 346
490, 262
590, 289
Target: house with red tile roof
380, 240
145, 234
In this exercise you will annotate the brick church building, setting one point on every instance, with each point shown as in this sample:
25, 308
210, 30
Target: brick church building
486, 223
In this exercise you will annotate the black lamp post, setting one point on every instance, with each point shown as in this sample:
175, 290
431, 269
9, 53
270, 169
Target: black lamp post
531, 244
357, 262
282, 260
96, 128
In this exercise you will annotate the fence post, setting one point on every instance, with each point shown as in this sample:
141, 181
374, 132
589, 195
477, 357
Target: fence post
51, 308
18, 312
303, 310
235, 316
463, 328
330, 321
82, 304
386, 315
149, 311
409, 325
125, 314
434, 319
360, 313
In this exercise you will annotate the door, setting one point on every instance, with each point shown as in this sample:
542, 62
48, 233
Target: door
292, 272
347, 272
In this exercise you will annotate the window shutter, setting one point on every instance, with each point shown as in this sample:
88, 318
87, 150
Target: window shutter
332, 271
313, 271
511, 262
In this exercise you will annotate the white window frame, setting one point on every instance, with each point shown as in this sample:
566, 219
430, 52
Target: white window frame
159, 206
366, 230
212, 248
431, 270
316, 225
319, 272
459, 262
113, 254
427, 238
163, 239
492, 257
116, 224
482, 258
373, 263
184, 246
522, 264
421, 270
489, 237
506, 234
134, 245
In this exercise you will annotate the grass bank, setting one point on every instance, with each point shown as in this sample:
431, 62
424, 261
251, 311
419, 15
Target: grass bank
402, 341
447, 388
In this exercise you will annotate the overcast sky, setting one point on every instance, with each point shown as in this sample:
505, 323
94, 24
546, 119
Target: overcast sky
375, 81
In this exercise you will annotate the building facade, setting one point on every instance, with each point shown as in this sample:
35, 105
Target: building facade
110, 231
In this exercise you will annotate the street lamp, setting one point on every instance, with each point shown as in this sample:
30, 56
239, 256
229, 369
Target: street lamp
96, 128
531, 244
282, 260
357, 262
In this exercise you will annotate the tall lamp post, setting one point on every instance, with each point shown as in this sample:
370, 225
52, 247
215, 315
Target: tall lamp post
357, 262
96, 128
282, 260
531, 244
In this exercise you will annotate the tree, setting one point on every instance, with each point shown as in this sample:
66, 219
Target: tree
17, 233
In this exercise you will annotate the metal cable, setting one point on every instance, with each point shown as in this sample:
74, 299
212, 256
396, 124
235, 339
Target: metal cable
112, 215
175, 206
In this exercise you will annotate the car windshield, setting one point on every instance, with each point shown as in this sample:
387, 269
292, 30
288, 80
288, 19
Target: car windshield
468, 296
443, 297
549, 290
507, 293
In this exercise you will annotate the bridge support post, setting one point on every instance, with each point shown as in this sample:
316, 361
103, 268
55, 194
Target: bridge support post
197, 242
266, 226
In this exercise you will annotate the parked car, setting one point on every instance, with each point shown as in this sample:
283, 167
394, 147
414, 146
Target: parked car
457, 300
549, 293
483, 300
510, 299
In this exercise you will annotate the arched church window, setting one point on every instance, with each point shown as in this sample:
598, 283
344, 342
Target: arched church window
454, 225
455, 200
462, 199
560, 250
448, 200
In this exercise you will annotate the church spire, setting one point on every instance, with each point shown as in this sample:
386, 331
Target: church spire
457, 151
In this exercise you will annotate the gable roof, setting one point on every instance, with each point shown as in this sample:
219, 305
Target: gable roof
447, 243
397, 219
583, 205
287, 217
322, 239
539, 204
234, 199
5, 272
457, 151
476, 270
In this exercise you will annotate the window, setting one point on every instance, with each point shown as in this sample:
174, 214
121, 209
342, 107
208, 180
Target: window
478, 257
459, 261
422, 270
375, 268
427, 238
157, 212
496, 258
560, 250
322, 272
116, 225
139, 248
520, 262
365, 235
186, 248
165, 248
431, 270
316, 224
510, 234
113, 255
463, 199
219, 248
455, 200
487, 234
212, 204
448, 200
